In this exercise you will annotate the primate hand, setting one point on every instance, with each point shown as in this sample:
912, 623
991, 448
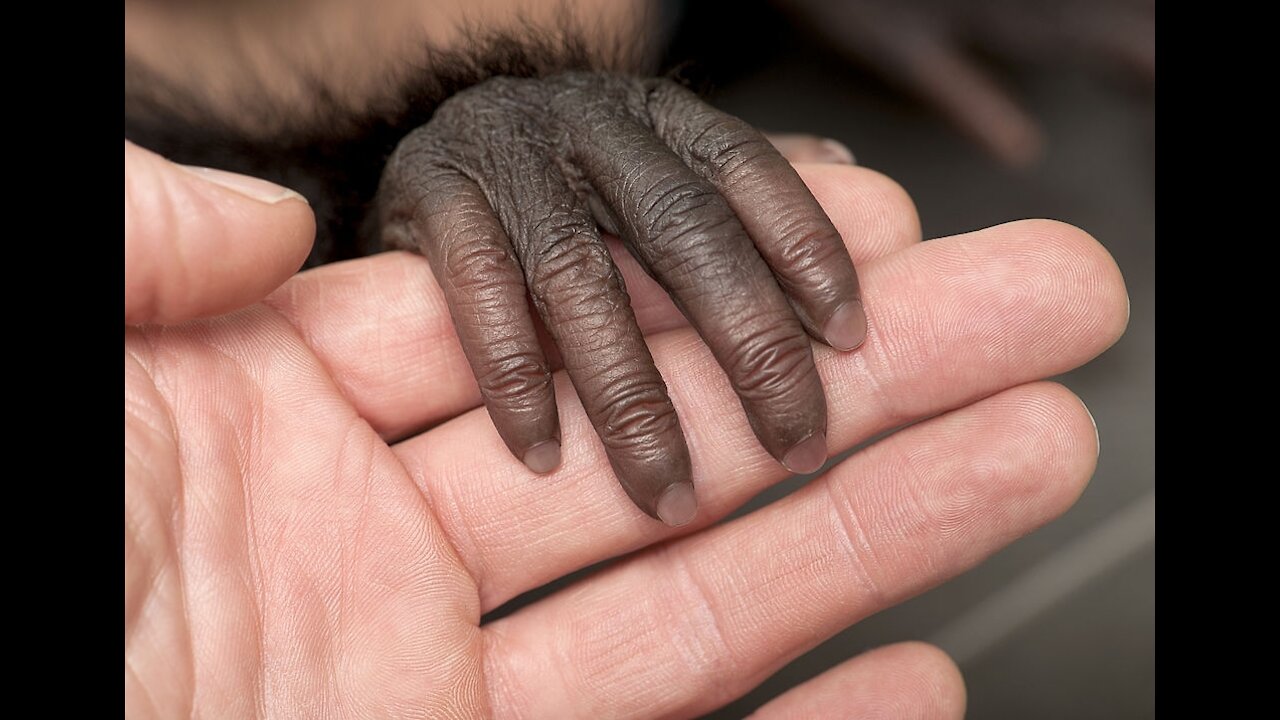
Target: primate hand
506, 191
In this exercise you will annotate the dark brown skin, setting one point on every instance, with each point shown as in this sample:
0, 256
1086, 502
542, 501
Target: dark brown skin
505, 168
505, 191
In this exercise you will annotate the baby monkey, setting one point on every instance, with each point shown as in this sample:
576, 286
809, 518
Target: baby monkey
502, 156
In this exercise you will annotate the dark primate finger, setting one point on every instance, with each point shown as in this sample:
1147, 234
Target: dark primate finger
687, 237
789, 227
455, 228
581, 298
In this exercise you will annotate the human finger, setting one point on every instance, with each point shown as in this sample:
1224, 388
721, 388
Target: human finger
709, 616
904, 681
200, 242
1005, 305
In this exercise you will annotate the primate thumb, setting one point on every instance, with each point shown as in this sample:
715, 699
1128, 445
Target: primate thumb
201, 242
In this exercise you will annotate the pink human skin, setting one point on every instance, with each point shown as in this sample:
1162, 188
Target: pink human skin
297, 546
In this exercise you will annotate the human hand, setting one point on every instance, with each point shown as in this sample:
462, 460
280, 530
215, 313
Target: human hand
287, 554
505, 188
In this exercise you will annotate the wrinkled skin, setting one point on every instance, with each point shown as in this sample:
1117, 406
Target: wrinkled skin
284, 559
505, 191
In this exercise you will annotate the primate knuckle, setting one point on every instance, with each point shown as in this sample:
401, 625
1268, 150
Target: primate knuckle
721, 144
808, 244
771, 363
494, 114
475, 262
677, 208
569, 267
585, 99
514, 380
671, 107
702, 135
676, 197
662, 94
635, 413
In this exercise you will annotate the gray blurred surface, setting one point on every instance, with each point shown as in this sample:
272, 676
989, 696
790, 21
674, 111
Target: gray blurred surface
1060, 624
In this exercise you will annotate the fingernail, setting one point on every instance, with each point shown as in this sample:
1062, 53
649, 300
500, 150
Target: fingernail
251, 187
1097, 437
834, 151
808, 455
847, 328
543, 457
677, 505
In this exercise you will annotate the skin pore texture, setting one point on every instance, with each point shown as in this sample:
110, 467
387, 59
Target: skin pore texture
505, 159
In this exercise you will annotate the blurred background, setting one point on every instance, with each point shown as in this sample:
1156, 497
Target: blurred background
1061, 623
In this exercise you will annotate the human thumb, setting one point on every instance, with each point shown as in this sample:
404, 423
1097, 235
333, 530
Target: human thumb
201, 242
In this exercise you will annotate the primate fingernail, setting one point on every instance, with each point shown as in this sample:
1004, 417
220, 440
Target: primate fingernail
847, 328
677, 505
808, 455
836, 152
543, 457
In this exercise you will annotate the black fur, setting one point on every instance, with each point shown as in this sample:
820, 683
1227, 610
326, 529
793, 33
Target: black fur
336, 161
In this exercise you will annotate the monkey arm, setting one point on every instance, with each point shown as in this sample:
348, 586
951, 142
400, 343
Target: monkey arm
504, 191
315, 94
287, 68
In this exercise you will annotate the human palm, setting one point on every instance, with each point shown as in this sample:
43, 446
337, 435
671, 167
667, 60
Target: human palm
296, 546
